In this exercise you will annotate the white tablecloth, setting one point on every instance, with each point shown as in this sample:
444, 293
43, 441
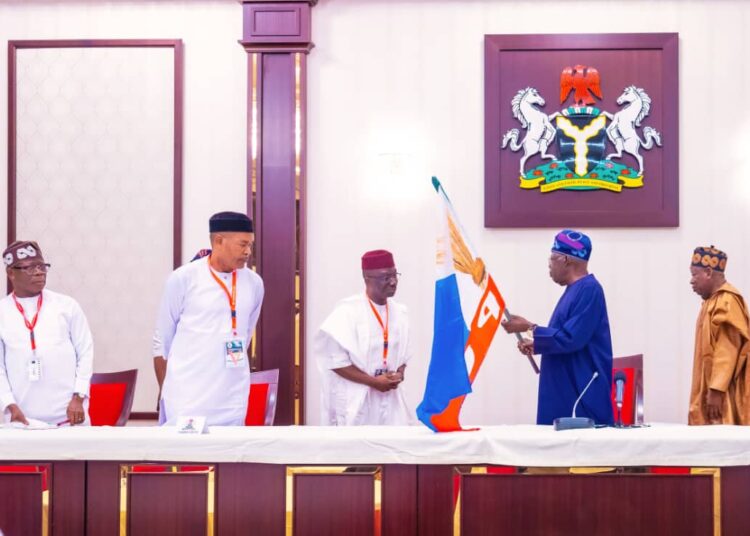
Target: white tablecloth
519, 445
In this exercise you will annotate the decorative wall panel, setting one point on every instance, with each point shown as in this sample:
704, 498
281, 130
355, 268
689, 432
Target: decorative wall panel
94, 177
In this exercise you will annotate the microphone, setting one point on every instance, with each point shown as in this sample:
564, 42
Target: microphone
620, 379
572, 422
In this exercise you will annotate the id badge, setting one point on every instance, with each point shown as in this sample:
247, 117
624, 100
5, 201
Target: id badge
35, 369
380, 371
234, 354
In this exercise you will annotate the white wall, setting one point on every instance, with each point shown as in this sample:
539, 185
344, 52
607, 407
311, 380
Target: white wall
215, 122
407, 78
395, 95
95, 174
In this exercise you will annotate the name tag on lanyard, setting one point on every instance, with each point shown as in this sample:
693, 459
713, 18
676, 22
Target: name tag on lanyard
35, 369
234, 348
234, 353
34, 366
384, 327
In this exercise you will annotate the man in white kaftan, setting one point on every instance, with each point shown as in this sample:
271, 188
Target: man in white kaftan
362, 349
157, 351
204, 343
46, 348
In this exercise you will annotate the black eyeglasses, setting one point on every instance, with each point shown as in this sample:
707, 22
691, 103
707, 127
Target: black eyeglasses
34, 268
385, 277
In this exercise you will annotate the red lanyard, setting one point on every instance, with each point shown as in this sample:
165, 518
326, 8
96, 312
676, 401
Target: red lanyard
30, 325
384, 328
231, 297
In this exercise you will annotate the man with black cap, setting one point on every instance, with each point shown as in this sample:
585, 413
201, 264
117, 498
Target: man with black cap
206, 320
362, 349
577, 342
160, 364
720, 392
46, 349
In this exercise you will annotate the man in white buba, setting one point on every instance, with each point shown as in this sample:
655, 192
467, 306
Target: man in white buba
206, 320
46, 348
362, 349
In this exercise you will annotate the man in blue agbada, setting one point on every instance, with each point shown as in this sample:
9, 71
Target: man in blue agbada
577, 342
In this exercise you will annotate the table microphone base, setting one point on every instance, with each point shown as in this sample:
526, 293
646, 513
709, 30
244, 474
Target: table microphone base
571, 423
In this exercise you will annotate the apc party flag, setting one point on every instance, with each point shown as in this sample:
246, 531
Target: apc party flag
468, 309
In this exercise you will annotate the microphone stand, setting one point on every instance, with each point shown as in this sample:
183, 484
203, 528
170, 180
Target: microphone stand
573, 422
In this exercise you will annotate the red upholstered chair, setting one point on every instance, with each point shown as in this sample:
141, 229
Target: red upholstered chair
261, 403
157, 468
29, 469
111, 397
632, 400
664, 470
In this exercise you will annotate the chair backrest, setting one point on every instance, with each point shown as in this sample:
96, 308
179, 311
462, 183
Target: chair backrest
111, 397
632, 400
261, 402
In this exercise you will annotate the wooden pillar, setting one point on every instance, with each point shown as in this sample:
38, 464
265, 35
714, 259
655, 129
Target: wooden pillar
276, 36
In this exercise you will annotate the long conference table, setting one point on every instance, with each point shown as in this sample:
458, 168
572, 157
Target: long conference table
662, 479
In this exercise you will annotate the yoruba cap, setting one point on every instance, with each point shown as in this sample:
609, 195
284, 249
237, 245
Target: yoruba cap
379, 258
230, 222
709, 257
21, 250
572, 243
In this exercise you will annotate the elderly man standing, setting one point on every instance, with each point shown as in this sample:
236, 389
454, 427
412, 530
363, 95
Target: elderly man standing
721, 390
46, 349
362, 349
207, 318
577, 342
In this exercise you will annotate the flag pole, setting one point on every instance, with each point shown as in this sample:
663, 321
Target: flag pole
439, 189
532, 362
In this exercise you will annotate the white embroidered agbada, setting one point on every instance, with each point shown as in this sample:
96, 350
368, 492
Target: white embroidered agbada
351, 335
194, 324
64, 347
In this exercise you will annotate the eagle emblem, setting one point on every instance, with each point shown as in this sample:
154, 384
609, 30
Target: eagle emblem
583, 80
581, 133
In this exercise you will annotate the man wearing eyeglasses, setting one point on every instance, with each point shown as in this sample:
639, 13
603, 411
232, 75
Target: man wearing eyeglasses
362, 349
577, 342
46, 349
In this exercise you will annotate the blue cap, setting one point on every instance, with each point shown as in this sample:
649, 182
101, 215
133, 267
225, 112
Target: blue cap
572, 243
201, 253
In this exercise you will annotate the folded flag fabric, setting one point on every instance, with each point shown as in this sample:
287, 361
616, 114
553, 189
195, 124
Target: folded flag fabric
468, 309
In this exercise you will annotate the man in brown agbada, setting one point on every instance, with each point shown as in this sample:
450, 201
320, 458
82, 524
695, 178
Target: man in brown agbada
720, 391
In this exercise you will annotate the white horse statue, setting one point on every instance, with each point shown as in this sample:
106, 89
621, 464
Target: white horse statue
539, 129
622, 130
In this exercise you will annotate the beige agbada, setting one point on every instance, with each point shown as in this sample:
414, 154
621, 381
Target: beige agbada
722, 345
